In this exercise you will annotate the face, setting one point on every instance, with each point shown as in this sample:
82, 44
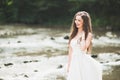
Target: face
79, 22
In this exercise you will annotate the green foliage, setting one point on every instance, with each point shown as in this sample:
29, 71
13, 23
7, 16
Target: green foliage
103, 12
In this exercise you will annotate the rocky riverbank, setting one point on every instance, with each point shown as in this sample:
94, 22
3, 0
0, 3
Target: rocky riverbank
41, 53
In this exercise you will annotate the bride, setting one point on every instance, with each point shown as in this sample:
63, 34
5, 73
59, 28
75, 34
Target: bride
81, 66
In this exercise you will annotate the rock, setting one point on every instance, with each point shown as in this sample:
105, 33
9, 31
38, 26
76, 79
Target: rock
107, 61
60, 66
66, 37
35, 70
94, 56
117, 52
30, 61
60, 78
52, 38
110, 34
101, 62
8, 64
26, 76
25, 61
8, 42
35, 61
18, 41
117, 60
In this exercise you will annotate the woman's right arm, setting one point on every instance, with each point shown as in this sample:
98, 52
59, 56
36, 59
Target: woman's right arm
69, 57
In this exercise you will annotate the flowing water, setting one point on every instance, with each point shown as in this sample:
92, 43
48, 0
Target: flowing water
40, 53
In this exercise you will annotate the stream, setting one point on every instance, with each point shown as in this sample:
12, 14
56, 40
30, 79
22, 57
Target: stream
40, 53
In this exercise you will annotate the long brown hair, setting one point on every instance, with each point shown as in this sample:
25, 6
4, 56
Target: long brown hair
87, 27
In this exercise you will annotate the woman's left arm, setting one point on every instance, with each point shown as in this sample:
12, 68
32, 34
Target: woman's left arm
88, 40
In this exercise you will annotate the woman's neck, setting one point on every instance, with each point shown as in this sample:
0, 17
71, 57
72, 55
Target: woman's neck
80, 30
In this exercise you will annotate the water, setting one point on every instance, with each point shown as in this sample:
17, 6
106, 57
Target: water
114, 75
41, 53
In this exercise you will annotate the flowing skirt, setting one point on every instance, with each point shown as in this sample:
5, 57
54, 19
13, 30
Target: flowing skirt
84, 67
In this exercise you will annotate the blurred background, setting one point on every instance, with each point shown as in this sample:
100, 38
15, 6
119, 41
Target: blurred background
34, 37
104, 13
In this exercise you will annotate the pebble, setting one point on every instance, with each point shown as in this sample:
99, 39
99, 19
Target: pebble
60, 66
8, 64
66, 37
94, 56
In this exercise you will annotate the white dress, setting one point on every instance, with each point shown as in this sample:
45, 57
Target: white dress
83, 66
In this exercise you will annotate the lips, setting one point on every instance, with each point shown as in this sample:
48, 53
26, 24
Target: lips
77, 24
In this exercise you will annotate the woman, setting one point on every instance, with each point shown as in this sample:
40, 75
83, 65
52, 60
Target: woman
81, 66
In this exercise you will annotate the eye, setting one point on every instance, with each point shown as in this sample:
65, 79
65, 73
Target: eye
75, 19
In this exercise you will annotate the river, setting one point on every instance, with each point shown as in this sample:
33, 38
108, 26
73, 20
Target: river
40, 53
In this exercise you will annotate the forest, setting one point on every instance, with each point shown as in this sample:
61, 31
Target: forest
104, 13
